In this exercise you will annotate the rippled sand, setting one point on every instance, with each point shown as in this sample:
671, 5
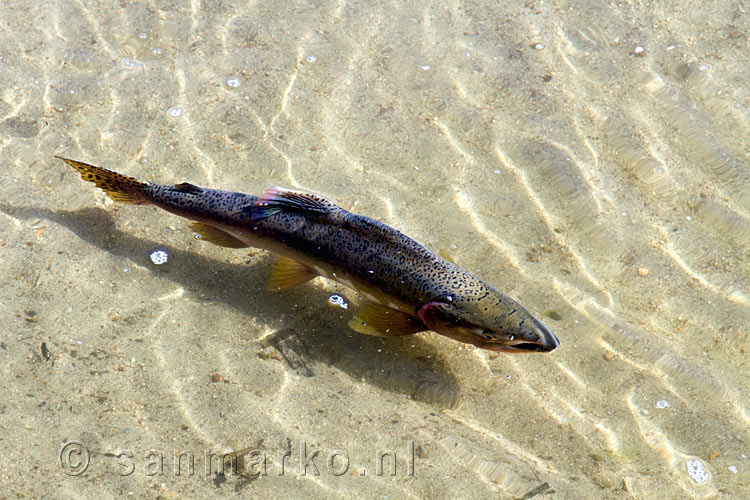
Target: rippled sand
588, 159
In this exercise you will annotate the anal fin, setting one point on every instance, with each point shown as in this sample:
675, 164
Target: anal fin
287, 273
382, 321
217, 236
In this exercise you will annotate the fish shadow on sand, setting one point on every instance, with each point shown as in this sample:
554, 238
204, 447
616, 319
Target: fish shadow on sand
406, 365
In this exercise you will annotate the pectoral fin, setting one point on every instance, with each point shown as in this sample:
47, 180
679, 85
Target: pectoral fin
447, 256
287, 273
379, 320
216, 236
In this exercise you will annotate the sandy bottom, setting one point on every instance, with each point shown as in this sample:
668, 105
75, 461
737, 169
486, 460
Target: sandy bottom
588, 159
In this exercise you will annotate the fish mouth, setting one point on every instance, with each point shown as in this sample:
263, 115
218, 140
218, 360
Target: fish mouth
529, 347
547, 341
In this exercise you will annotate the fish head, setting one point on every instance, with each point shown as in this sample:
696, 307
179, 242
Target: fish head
501, 325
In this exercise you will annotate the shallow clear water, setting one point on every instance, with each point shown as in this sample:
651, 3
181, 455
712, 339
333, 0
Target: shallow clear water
588, 159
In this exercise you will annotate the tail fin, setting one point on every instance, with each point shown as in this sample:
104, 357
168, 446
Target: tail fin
120, 188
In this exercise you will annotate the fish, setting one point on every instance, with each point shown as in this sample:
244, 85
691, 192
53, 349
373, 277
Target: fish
407, 287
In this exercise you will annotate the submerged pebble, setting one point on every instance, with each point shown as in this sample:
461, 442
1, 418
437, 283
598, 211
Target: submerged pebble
338, 300
233, 81
697, 471
131, 63
158, 256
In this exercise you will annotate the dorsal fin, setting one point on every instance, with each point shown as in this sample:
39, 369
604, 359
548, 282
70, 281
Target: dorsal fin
278, 199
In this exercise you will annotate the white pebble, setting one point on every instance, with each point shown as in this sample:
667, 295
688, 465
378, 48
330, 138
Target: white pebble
131, 63
338, 300
158, 257
697, 471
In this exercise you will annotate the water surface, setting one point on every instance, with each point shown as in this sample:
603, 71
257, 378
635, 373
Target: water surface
589, 159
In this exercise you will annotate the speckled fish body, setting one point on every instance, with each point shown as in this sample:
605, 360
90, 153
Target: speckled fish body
409, 287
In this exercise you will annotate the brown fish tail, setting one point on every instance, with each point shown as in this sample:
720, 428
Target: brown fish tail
120, 188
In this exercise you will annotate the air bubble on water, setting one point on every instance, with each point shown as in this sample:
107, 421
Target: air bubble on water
661, 404
703, 67
175, 111
311, 58
425, 67
539, 46
732, 469
233, 81
131, 63
338, 300
697, 471
158, 256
